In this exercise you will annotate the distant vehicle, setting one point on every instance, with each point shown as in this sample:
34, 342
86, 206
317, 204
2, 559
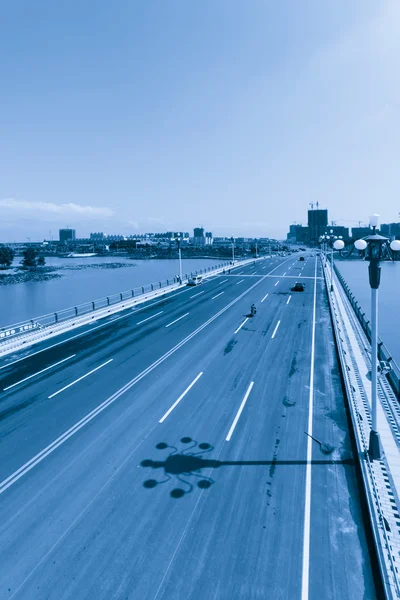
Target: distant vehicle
302, 249
298, 287
196, 280
301, 258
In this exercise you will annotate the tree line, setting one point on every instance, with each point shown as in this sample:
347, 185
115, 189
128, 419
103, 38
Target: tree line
31, 258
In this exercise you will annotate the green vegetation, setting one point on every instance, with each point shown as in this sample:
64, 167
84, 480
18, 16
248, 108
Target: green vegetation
6, 256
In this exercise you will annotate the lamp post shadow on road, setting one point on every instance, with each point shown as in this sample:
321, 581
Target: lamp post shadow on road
181, 465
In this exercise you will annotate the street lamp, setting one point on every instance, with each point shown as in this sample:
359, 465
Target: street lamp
374, 250
333, 241
233, 250
178, 241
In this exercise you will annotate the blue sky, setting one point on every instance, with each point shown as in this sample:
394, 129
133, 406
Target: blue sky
134, 116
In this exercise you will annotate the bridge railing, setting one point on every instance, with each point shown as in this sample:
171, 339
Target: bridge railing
59, 316
383, 352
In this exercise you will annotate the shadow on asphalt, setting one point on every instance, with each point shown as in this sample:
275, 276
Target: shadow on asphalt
190, 462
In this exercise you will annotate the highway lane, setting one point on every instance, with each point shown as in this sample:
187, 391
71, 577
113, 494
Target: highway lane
223, 541
132, 349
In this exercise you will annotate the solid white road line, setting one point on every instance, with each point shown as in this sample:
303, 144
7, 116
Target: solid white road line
39, 372
176, 320
220, 294
266, 296
241, 281
275, 330
307, 507
80, 378
240, 326
288, 300
239, 412
198, 294
275, 284
148, 318
40, 456
224, 281
180, 397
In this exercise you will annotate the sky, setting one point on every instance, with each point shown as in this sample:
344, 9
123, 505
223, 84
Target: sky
134, 116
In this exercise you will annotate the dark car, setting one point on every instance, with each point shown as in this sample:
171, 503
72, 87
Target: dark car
298, 287
301, 258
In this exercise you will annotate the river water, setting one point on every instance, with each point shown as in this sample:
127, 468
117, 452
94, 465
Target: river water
84, 280
355, 273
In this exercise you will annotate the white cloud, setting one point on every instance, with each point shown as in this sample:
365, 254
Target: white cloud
70, 208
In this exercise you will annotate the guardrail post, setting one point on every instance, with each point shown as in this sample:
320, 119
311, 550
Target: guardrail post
160, 284
76, 310
108, 301
142, 290
93, 306
56, 317
120, 297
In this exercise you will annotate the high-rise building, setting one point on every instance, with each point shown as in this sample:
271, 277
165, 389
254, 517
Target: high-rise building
291, 236
317, 224
303, 235
198, 232
66, 235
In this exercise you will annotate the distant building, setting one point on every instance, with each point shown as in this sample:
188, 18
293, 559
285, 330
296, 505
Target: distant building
66, 235
317, 224
209, 238
302, 235
199, 238
390, 230
360, 232
97, 236
292, 236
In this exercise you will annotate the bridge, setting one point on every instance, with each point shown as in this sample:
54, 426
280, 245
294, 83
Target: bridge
178, 448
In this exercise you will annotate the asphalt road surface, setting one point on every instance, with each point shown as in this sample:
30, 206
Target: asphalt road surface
164, 453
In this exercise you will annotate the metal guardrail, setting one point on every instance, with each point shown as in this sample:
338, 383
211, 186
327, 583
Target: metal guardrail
372, 493
11, 331
383, 353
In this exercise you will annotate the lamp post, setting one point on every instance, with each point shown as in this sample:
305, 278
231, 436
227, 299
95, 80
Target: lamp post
178, 241
331, 240
374, 250
233, 250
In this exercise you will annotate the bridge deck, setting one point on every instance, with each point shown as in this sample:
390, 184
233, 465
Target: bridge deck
165, 456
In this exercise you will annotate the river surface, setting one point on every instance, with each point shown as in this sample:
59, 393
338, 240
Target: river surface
83, 280
356, 275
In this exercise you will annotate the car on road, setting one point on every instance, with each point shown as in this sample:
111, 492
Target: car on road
196, 280
301, 258
299, 286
